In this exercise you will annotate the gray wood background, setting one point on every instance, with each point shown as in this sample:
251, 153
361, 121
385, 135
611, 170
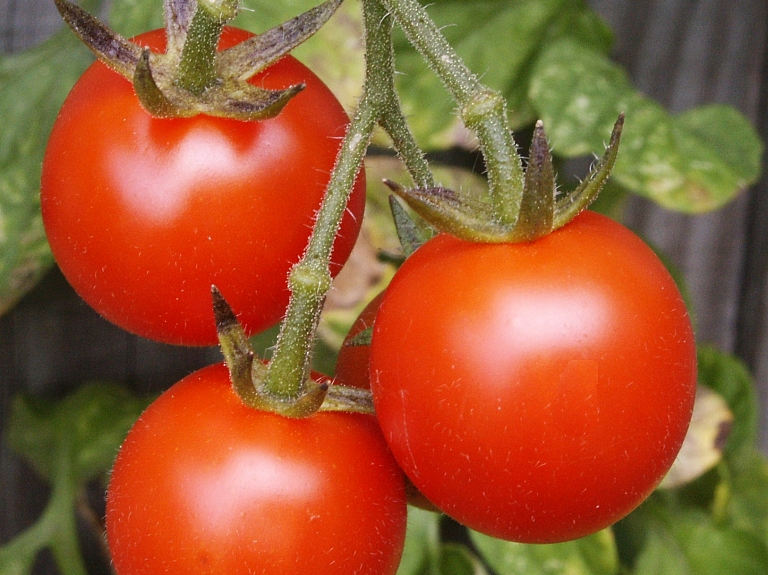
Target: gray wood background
681, 52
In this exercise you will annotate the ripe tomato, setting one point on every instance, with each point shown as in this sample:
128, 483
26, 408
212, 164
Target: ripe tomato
535, 392
204, 484
144, 214
352, 366
352, 369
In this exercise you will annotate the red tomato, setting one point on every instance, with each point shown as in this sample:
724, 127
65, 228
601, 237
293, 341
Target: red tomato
205, 485
535, 392
352, 366
352, 369
144, 214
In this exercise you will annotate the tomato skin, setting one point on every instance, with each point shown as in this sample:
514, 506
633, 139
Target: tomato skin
535, 392
143, 215
204, 484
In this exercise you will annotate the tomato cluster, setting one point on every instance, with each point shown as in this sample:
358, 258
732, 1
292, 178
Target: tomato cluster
533, 391
143, 215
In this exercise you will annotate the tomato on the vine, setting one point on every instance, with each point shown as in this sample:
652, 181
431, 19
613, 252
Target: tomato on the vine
205, 484
143, 215
535, 392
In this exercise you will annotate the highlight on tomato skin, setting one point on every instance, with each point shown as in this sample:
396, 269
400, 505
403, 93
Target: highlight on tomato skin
143, 215
204, 484
535, 392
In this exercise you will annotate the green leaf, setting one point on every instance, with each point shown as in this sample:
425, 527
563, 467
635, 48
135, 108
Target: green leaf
421, 543
731, 379
457, 559
748, 504
688, 541
132, 17
500, 40
694, 162
92, 422
661, 554
18, 555
593, 555
68, 442
713, 550
33, 84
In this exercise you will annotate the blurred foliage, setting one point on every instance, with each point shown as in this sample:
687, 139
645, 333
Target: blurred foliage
68, 442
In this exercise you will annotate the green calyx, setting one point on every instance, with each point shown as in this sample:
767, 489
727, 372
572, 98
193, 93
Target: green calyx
538, 212
249, 376
192, 77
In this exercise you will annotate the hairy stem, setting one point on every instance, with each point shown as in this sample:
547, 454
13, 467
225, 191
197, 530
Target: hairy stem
482, 110
381, 90
197, 67
310, 279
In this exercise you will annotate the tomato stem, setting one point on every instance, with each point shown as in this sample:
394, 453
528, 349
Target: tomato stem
310, 279
191, 77
197, 66
483, 110
348, 399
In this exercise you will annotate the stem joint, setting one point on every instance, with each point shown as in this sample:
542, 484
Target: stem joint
308, 278
481, 105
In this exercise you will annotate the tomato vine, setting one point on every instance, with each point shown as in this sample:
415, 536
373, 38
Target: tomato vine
517, 201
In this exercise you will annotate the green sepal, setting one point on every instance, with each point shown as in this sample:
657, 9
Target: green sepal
474, 218
537, 209
249, 374
109, 47
361, 338
409, 233
569, 206
246, 59
192, 78
152, 98
234, 344
451, 212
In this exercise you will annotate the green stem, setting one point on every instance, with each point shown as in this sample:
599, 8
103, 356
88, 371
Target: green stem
723, 493
483, 110
63, 512
197, 67
381, 90
55, 529
310, 279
